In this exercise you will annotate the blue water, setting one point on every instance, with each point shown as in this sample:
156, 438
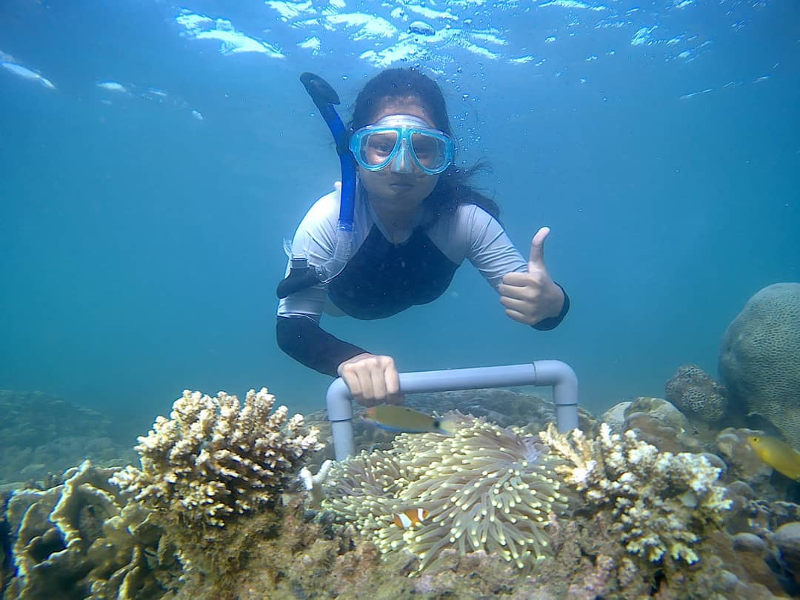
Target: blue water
141, 230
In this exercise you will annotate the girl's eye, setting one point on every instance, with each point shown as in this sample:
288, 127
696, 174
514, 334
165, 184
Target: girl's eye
382, 144
382, 148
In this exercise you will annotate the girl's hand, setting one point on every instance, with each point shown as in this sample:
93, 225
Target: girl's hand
372, 379
532, 296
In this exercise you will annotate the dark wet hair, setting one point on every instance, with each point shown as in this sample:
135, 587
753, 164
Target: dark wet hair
453, 187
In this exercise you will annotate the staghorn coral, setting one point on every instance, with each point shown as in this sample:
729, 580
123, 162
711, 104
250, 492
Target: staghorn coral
759, 360
214, 460
662, 503
485, 488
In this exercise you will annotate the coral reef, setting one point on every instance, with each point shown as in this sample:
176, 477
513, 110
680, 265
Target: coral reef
308, 556
41, 434
759, 360
642, 522
80, 539
663, 504
214, 460
485, 488
694, 392
208, 466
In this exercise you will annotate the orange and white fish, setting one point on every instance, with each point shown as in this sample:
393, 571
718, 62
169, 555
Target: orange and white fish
410, 517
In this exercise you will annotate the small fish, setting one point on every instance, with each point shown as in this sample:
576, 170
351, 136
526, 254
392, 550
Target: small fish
777, 454
410, 517
401, 419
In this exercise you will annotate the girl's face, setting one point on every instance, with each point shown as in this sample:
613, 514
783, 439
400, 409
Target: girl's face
400, 189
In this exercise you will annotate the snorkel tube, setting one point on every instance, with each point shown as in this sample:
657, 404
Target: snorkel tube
301, 274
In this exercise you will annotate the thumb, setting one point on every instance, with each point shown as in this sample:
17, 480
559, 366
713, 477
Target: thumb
536, 260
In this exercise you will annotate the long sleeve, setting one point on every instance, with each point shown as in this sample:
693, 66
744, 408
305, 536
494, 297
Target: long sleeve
478, 236
304, 340
297, 329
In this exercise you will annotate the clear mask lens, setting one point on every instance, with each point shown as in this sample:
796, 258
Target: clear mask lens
406, 148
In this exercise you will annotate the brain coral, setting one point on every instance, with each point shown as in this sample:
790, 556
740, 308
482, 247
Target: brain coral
485, 488
759, 361
695, 393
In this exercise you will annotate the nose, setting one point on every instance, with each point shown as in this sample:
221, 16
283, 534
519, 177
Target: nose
402, 162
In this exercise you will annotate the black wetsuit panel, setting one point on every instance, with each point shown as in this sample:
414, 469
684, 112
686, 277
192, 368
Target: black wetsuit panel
382, 279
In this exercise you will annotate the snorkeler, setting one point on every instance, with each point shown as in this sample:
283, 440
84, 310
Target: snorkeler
415, 218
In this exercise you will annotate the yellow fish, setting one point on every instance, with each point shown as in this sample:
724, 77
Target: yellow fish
401, 419
777, 454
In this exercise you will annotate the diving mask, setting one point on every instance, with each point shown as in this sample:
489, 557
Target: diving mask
404, 141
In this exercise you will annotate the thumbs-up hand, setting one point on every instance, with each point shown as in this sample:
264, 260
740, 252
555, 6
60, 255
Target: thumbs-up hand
532, 296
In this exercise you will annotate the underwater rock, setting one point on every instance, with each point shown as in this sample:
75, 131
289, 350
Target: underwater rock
615, 416
742, 461
787, 539
727, 573
759, 361
697, 394
659, 409
659, 423
589, 563
749, 542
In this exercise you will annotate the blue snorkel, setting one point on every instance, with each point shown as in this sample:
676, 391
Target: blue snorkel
324, 97
302, 275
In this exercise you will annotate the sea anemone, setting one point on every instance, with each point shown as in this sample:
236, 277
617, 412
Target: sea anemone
484, 488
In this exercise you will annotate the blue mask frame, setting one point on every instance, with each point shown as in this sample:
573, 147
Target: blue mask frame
404, 126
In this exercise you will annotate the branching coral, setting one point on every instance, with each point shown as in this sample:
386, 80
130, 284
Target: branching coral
484, 488
213, 460
661, 502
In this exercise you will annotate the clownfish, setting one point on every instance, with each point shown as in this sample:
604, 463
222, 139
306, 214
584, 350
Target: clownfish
410, 517
777, 454
401, 419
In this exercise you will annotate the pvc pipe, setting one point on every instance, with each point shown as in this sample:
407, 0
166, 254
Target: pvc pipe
554, 373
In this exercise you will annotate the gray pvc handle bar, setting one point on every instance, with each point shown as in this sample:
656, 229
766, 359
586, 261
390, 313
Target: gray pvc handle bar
553, 373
